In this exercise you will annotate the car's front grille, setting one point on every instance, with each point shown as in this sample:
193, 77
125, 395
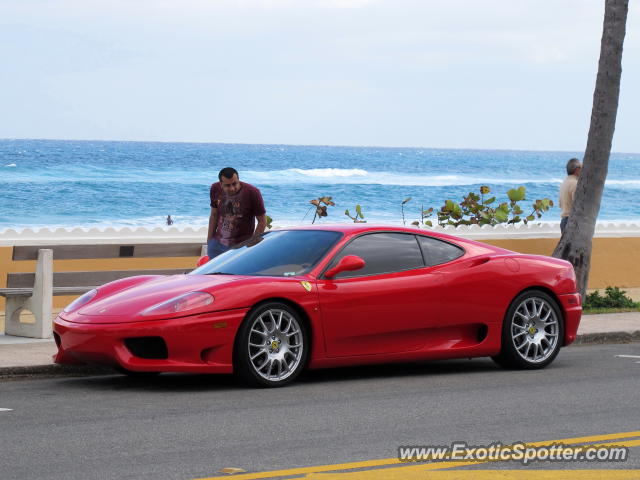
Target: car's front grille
147, 347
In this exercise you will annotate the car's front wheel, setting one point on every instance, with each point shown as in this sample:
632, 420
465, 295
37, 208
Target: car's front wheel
272, 346
532, 332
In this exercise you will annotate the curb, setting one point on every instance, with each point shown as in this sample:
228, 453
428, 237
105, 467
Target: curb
53, 370
607, 337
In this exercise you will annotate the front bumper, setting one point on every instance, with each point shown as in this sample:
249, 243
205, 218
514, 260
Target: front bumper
572, 307
198, 344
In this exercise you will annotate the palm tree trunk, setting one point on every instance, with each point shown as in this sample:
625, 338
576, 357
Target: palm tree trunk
575, 243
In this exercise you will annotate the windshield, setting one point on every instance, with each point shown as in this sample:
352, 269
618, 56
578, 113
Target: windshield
280, 253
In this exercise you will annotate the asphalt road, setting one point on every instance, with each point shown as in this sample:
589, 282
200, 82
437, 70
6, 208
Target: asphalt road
192, 426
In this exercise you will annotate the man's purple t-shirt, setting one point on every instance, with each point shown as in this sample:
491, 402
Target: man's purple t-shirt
236, 213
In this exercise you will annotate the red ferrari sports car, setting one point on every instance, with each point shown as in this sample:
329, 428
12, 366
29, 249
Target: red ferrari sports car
326, 296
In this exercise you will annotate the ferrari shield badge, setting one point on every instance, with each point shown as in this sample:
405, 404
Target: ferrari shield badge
306, 285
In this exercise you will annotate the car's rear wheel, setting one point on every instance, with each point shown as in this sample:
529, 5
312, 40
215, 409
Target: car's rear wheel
272, 346
532, 332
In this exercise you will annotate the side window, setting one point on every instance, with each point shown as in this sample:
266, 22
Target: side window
436, 251
382, 253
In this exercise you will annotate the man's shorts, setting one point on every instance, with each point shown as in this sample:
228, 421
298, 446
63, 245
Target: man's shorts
215, 248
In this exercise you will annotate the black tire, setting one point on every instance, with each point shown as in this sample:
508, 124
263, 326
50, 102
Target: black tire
532, 332
272, 346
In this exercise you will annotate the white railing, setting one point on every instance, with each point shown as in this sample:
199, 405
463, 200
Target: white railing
82, 235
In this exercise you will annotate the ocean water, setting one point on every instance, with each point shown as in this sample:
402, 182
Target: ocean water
51, 183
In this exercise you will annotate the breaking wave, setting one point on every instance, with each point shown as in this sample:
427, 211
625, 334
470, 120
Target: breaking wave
363, 177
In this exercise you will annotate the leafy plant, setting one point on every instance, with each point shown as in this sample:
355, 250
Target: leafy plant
424, 215
406, 200
475, 209
321, 210
359, 216
613, 298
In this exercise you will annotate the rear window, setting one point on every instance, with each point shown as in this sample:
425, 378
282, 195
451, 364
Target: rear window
436, 251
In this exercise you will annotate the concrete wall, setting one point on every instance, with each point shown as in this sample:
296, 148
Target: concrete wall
615, 258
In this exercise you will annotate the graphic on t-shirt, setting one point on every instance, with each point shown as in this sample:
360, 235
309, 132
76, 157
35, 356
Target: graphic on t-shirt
231, 213
236, 213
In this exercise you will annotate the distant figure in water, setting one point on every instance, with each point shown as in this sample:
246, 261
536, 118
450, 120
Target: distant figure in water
169, 220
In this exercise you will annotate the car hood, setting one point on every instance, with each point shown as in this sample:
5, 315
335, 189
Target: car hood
128, 303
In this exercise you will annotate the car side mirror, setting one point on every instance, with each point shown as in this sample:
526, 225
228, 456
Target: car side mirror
202, 261
347, 263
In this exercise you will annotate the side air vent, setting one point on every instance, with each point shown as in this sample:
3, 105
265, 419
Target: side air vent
478, 261
483, 331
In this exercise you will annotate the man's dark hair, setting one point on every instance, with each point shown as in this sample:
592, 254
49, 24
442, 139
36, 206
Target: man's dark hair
573, 165
228, 173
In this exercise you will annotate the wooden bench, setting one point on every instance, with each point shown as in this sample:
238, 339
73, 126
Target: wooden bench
34, 291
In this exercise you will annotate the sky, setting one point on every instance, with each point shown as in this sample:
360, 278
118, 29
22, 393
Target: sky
486, 74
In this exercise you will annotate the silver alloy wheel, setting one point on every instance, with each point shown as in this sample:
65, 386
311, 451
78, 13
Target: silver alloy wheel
276, 344
535, 329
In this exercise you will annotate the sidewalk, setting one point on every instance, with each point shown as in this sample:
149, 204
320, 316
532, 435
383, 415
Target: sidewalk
28, 356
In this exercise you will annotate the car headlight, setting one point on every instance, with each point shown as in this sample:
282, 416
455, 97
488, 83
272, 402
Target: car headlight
183, 303
80, 301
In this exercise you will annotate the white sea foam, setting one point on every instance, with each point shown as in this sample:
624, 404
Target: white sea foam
363, 177
623, 182
147, 222
180, 222
292, 176
11, 165
329, 172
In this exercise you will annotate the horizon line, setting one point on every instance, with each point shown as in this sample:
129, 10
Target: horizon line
304, 145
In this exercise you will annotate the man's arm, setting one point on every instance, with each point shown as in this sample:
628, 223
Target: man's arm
259, 212
213, 223
262, 225
572, 190
257, 234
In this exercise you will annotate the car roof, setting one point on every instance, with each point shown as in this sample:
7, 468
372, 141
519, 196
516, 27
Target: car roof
353, 228
358, 228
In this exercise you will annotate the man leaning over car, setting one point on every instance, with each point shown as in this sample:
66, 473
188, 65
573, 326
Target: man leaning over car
235, 206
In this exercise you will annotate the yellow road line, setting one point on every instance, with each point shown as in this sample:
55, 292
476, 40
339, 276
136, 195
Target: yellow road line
438, 465
418, 470
499, 475
303, 470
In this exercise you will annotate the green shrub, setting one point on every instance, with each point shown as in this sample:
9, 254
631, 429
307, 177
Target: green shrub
613, 298
359, 216
475, 209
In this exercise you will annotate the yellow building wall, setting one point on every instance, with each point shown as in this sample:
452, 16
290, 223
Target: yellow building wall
614, 262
